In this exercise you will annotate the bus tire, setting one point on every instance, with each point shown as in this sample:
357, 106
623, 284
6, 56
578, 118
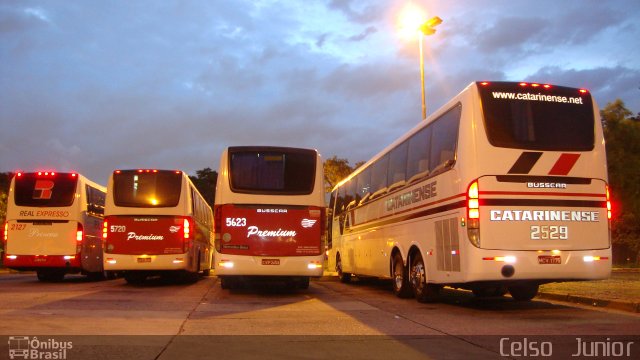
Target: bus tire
303, 283
228, 282
400, 280
135, 278
524, 292
490, 291
344, 277
97, 276
50, 275
424, 292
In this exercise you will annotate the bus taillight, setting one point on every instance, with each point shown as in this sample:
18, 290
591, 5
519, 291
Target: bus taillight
79, 238
105, 226
473, 213
6, 232
473, 202
79, 233
186, 229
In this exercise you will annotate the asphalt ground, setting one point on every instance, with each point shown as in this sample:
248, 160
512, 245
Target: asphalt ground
611, 295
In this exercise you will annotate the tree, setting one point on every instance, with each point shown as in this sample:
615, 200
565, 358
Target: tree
5, 179
205, 182
622, 137
335, 169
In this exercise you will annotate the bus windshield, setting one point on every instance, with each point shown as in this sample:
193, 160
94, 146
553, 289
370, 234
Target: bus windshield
554, 119
277, 172
32, 189
147, 188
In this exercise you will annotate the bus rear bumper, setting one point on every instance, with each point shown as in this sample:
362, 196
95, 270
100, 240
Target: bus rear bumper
121, 262
228, 265
545, 266
35, 262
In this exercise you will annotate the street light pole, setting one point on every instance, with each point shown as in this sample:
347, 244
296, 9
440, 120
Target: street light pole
424, 103
427, 28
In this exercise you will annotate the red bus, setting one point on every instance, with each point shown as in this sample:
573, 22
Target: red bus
269, 215
157, 223
53, 225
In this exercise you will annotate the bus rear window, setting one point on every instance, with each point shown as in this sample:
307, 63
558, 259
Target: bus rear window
36, 190
274, 171
525, 117
159, 188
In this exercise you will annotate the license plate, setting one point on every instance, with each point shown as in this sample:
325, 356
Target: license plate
545, 259
144, 260
270, 261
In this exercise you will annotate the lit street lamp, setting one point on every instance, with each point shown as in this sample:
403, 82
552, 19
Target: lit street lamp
412, 21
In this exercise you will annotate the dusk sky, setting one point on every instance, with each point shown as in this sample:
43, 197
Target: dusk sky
93, 86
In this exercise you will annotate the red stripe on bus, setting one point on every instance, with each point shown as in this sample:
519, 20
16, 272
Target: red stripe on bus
538, 193
564, 164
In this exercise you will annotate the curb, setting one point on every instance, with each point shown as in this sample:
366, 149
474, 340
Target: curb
582, 300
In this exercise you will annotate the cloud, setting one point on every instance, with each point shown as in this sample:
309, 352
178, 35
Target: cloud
363, 35
362, 12
605, 83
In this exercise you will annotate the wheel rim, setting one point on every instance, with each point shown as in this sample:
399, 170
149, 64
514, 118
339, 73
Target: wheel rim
397, 274
418, 274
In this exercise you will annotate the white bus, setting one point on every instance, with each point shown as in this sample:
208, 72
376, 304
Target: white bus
53, 225
269, 215
502, 189
156, 223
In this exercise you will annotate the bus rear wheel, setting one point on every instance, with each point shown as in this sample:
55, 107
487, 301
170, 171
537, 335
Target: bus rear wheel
135, 278
424, 292
50, 275
401, 285
524, 292
229, 282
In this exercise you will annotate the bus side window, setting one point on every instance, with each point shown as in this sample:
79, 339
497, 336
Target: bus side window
444, 140
418, 155
95, 201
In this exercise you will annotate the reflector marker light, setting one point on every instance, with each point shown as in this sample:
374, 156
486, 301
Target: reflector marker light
590, 258
226, 264
314, 265
608, 203
508, 259
12, 257
111, 261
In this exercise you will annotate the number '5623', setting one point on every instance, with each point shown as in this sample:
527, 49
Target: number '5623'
236, 222
549, 232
